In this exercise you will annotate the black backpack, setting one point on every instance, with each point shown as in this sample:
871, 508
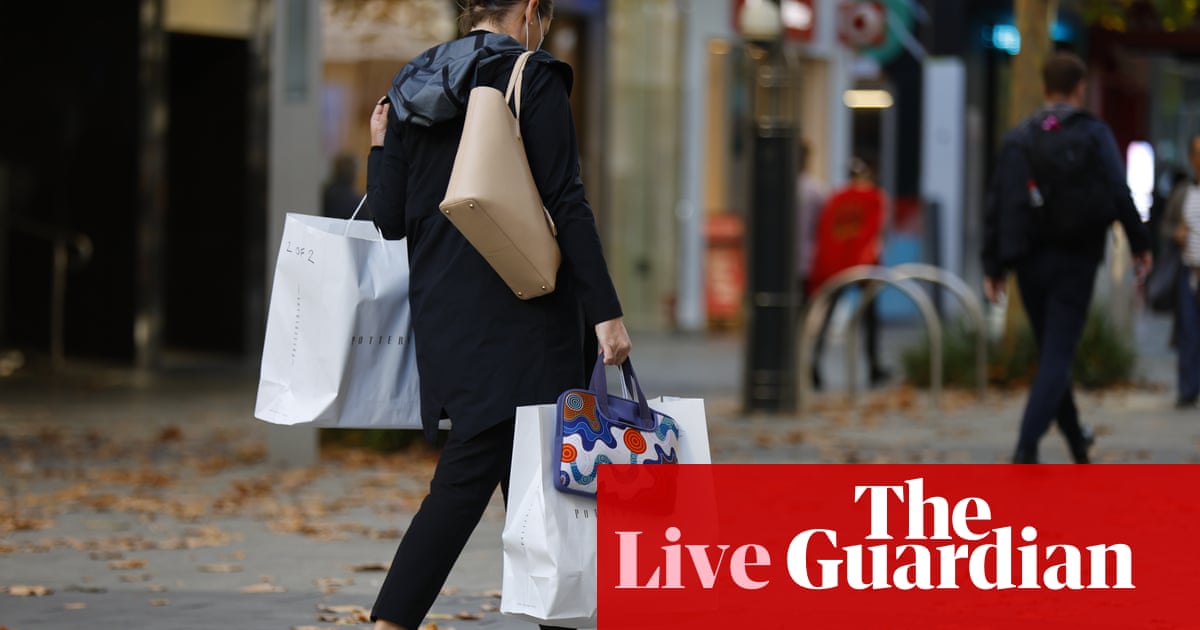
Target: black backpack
1067, 177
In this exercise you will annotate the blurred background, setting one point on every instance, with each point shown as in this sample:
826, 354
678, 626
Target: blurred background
150, 148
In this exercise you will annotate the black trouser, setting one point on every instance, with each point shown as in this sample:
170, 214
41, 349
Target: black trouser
870, 324
1056, 288
466, 476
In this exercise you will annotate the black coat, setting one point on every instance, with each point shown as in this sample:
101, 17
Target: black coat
481, 351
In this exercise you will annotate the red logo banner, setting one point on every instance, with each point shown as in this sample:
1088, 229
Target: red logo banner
898, 547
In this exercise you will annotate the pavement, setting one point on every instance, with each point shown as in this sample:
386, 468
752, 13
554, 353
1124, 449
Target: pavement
150, 501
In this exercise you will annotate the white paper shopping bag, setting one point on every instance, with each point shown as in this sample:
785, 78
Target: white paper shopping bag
550, 536
339, 348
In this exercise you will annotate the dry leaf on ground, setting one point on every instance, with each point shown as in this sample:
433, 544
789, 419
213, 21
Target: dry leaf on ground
356, 617
159, 602
333, 585
127, 565
220, 568
157, 588
75, 605
347, 609
370, 567
88, 589
22, 590
263, 587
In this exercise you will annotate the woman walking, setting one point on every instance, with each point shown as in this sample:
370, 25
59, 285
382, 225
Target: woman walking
481, 351
1182, 227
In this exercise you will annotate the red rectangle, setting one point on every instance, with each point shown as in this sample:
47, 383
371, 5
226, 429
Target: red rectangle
789, 546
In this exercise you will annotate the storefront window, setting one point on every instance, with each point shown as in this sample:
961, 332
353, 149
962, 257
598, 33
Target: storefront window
639, 219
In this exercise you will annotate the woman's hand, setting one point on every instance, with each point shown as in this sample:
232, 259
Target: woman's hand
379, 120
1181, 234
614, 341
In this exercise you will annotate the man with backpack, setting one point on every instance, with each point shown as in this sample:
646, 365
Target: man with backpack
1059, 186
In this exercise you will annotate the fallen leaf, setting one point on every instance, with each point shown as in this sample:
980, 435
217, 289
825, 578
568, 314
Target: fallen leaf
341, 609
343, 615
30, 524
75, 605
495, 594
126, 565
157, 588
489, 608
333, 585
88, 589
159, 602
136, 577
263, 587
370, 566
220, 568
468, 616
21, 590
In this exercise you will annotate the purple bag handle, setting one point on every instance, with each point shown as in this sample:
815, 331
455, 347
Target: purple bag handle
599, 387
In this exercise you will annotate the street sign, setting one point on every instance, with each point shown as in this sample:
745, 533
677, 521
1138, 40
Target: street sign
875, 27
862, 24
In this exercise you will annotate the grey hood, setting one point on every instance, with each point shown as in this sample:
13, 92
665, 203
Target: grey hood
433, 88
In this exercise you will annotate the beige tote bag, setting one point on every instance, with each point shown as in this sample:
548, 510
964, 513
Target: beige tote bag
492, 198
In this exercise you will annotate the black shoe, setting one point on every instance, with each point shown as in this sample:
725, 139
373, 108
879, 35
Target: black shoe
1023, 456
1185, 403
816, 379
1079, 450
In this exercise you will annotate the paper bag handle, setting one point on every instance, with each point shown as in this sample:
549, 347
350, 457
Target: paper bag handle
350, 221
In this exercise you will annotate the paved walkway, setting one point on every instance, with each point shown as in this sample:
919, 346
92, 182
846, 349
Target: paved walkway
151, 503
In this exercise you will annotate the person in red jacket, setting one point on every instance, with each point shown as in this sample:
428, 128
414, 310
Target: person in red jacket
850, 233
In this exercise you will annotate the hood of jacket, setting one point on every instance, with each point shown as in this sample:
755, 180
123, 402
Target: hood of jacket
434, 87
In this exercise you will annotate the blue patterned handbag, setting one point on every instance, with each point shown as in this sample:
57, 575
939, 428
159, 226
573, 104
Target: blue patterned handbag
596, 428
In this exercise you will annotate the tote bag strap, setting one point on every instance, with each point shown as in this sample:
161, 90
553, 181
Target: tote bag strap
514, 81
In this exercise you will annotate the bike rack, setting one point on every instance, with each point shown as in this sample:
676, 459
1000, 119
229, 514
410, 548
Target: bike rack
934, 275
822, 302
